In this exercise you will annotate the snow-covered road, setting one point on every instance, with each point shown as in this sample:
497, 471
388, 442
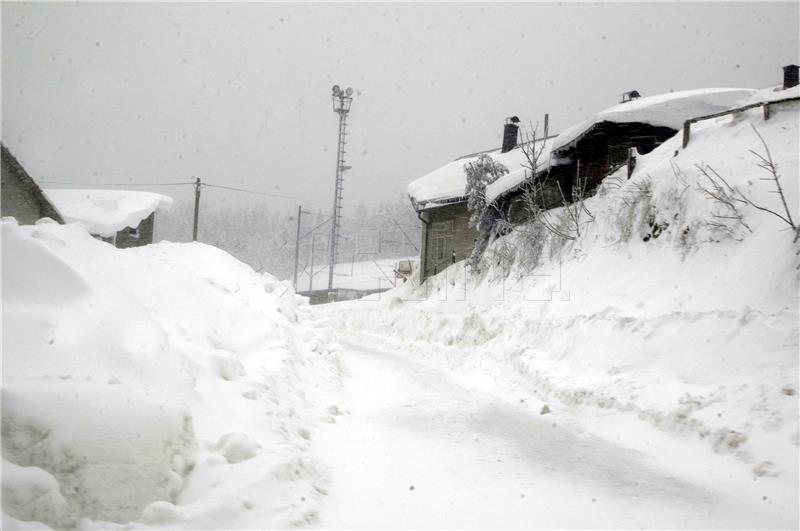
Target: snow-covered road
415, 449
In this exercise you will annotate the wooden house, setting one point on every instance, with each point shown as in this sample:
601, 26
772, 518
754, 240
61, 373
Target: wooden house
20, 196
123, 218
441, 203
592, 149
575, 160
579, 158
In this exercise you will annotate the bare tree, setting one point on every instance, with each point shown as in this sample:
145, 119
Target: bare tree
766, 163
731, 198
727, 197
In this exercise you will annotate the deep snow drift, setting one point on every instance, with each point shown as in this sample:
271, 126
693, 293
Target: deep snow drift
666, 324
167, 386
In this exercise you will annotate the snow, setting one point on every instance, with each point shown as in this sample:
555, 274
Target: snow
773, 94
679, 345
644, 374
105, 212
518, 172
162, 386
372, 274
420, 448
449, 182
670, 110
667, 110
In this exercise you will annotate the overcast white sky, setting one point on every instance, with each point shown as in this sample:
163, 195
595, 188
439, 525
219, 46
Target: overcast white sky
239, 94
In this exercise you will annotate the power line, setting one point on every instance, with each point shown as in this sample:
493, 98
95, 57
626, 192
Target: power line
115, 184
315, 228
211, 185
255, 192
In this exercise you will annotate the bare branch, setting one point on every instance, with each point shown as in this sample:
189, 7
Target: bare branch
769, 165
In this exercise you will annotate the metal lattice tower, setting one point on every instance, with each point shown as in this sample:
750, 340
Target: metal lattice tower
342, 99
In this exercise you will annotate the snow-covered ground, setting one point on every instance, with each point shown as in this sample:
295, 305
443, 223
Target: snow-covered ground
166, 386
644, 374
359, 273
665, 328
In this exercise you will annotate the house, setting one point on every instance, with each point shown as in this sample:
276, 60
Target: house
572, 162
584, 154
580, 157
121, 217
440, 201
20, 196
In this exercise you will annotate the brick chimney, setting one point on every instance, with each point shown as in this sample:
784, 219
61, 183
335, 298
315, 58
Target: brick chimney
510, 132
790, 76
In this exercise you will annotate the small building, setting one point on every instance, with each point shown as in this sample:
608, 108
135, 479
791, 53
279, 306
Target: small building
20, 196
441, 202
123, 218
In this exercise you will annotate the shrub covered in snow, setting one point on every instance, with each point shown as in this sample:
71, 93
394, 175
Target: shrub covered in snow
481, 173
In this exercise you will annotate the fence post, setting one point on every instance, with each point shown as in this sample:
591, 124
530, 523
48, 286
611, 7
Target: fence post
687, 125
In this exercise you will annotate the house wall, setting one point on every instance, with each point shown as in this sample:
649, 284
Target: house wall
20, 196
142, 235
515, 206
445, 232
605, 148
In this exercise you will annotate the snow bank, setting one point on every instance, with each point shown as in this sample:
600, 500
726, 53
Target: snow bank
662, 325
162, 386
105, 212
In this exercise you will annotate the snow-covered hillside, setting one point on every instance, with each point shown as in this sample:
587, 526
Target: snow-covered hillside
168, 386
669, 324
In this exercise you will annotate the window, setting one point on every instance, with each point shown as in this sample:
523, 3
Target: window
442, 226
134, 233
439, 245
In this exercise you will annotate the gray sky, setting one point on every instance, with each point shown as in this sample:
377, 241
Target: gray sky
239, 94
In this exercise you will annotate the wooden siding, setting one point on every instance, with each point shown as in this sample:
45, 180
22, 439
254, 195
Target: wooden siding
142, 235
20, 196
446, 237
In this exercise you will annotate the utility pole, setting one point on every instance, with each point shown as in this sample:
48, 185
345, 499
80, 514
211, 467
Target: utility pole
342, 99
197, 185
297, 244
311, 270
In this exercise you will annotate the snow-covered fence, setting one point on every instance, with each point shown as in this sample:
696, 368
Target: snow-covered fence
687, 125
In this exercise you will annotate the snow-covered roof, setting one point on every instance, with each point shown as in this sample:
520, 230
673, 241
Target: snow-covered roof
105, 212
667, 110
773, 94
449, 182
518, 174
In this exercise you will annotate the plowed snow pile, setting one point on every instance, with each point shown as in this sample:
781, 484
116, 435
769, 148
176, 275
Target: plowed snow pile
164, 386
666, 324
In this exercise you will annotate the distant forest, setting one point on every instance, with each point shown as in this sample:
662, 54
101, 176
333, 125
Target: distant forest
264, 237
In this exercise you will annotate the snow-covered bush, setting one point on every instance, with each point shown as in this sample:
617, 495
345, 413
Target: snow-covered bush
480, 173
